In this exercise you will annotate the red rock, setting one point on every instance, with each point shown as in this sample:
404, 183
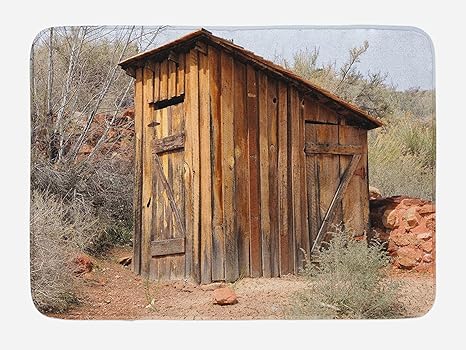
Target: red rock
427, 246
83, 264
392, 247
424, 235
411, 217
427, 209
405, 262
428, 258
430, 222
409, 202
400, 239
390, 219
225, 296
423, 267
410, 252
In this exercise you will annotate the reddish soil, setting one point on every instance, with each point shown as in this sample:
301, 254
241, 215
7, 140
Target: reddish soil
112, 291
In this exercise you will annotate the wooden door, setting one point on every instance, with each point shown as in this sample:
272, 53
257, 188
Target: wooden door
330, 166
168, 224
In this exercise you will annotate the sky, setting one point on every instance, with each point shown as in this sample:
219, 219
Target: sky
404, 53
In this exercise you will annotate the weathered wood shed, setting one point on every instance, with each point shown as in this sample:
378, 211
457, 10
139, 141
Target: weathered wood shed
240, 165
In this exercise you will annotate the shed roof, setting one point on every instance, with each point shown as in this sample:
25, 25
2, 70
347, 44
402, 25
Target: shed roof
324, 96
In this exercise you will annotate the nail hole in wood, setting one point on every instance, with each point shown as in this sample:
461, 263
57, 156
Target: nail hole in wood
274, 100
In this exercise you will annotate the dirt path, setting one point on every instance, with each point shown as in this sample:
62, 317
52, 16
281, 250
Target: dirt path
112, 291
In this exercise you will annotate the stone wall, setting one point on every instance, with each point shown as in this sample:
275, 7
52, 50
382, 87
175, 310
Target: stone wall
407, 225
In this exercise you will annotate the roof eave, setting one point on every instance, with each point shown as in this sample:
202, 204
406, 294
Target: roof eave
130, 64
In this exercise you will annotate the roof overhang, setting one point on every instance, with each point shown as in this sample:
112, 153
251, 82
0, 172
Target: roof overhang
189, 41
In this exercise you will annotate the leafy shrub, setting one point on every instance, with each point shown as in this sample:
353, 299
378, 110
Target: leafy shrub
58, 231
346, 280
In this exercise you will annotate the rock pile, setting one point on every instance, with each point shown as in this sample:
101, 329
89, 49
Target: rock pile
407, 225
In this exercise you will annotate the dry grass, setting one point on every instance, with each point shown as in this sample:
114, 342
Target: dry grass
58, 231
402, 158
347, 280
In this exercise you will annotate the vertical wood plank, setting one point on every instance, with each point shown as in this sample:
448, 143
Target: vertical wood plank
205, 175
180, 73
254, 179
242, 168
172, 126
312, 186
228, 168
163, 94
272, 120
156, 189
329, 171
177, 263
284, 239
296, 167
156, 69
191, 106
305, 238
172, 75
354, 200
291, 220
166, 211
326, 115
365, 180
218, 239
147, 171
264, 175
138, 158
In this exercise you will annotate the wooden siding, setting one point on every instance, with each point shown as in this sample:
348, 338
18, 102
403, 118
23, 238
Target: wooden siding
232, 148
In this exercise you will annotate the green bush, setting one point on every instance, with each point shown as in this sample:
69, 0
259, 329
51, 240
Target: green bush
347, 280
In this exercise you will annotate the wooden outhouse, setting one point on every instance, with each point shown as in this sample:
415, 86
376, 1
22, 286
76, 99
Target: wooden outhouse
240, 165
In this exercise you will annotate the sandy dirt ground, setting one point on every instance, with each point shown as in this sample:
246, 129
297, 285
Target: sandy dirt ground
113, 291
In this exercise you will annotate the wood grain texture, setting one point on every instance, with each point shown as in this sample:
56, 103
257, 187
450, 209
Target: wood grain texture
228, 168
156, 69
365, 181
176, 192
305, 237
272, 125
138, 159
218, 234
264, 175
331, 212
206, 174
284, 232
254, 178
167, 247
312, 147
172, 76
172, 142
328, 171
355, 199
163, 93
326, 115
191, 107
148, 135
180, 77
242, 226
296, 176
312, 185
156, 189
166, 217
